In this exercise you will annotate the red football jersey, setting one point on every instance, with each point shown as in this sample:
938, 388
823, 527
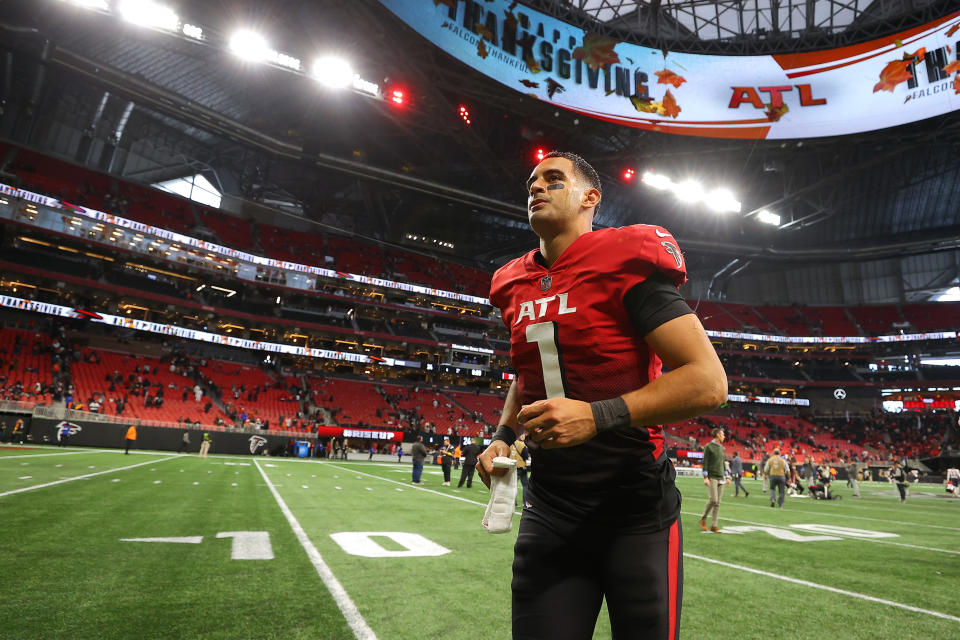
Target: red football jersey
571, 335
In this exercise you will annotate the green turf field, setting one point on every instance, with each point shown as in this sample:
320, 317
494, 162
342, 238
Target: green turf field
66, 573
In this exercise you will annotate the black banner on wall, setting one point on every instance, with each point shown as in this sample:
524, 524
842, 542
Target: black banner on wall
105, 434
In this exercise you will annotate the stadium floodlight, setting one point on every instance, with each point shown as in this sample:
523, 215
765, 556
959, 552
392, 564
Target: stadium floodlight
768, 218
333, 71
192, 31
722, 201
657, 181
146, 13
689, 191
97, 5
249, 45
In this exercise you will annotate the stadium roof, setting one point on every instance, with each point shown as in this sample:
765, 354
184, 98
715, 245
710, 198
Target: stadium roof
740, 26
359, 164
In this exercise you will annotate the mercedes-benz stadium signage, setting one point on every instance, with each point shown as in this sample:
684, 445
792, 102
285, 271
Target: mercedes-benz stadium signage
891, 81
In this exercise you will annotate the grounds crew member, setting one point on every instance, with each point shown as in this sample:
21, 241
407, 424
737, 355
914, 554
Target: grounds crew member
131, 437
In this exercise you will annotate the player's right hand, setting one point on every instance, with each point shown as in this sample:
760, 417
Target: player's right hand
485, 461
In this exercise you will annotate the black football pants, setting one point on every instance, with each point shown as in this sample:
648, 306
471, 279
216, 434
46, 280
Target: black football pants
562, 570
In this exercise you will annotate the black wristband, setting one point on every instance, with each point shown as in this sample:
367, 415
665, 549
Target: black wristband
506, 434
610, 414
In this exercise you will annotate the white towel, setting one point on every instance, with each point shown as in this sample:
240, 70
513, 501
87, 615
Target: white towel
503, 495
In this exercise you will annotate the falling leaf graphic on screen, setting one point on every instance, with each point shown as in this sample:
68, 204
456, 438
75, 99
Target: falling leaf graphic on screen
597, 51
553, 87
670, 106
669, 77
893, 74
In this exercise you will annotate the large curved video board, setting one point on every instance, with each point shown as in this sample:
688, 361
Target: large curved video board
902, 78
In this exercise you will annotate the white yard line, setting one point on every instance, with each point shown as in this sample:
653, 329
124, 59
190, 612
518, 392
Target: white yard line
349, 610
833, 533
806, 583
40, 455
87, 475
814, 585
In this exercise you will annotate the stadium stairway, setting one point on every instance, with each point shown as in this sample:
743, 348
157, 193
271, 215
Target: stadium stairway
853, 320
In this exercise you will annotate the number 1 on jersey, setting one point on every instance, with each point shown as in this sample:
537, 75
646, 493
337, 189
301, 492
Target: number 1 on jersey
545, 335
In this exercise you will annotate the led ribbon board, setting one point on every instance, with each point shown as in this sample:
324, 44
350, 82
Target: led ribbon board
898, 79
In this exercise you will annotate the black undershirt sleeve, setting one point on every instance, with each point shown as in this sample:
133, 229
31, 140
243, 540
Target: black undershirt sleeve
654, 302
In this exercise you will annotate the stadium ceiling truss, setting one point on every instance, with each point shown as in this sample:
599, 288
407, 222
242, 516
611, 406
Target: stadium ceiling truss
827, 184
742, 27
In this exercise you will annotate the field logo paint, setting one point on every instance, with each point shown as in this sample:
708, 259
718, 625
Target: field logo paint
74, 429
256, 442
782, 534
360, 543
249, 545
827, 531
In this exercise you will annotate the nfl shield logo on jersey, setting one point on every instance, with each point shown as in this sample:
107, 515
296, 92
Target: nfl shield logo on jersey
545, 283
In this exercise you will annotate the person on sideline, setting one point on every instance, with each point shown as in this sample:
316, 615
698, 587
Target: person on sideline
899, 476
205, 445
130, 438
184, 441
469, 451
776, 471
446, 460
853, 472
736, 470
418, 453
714, 477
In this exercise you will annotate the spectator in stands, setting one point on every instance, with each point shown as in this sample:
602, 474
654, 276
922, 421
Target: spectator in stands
419, 453
776, 470
736, 470
713, 478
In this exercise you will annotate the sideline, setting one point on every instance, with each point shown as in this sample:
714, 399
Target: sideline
806, 583
88, 475
349, 610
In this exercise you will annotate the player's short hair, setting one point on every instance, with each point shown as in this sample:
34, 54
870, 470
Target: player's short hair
717, 431
586, 171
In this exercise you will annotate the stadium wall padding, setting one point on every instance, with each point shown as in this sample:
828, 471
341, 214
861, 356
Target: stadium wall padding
105, 434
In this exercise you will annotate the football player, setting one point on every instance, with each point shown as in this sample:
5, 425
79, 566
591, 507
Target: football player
593, 315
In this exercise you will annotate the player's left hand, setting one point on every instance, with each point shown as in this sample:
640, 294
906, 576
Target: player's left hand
558, 422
